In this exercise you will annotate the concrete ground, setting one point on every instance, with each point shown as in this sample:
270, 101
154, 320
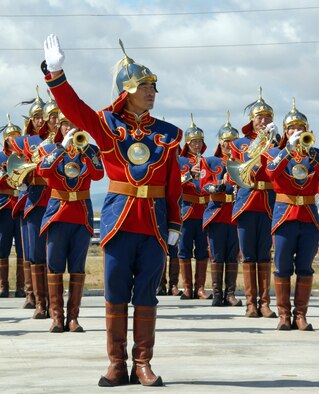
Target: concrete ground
199, 349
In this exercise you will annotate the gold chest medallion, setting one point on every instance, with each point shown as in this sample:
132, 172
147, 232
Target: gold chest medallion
72, 170
138, 153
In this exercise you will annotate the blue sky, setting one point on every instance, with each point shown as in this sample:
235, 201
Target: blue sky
207, 63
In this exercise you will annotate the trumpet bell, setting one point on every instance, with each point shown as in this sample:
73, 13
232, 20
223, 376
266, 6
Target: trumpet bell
18, 169
307, 140
238, 173
80, 140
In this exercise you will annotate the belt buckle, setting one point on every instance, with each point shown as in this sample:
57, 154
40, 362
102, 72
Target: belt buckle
300, 200
201, 200
142, 191
261, 185
228, 198
73, 196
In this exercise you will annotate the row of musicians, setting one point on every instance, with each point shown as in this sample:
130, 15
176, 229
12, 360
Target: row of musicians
275, 210
50, 216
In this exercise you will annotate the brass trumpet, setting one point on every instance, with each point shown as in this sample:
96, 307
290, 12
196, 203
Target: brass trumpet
80, 140
306, 140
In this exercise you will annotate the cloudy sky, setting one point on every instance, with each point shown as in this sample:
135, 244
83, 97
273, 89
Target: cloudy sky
210, 56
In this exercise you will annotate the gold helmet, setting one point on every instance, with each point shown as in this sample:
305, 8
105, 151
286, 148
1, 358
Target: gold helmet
37, 105
129, 75
259, 107
227, 132
49, 107
62, 118
193, 132
294, 117
10, 130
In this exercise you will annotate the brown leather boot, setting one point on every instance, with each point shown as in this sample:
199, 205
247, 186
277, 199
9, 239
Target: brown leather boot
38, 273
76, 285
55, 287
264, 274
173, 274
200, 279
142, 352
282, 287
19, 293
4, 275
217, 281
250, 284
116, 331
187, 276
230, 285
301, 301
30, 299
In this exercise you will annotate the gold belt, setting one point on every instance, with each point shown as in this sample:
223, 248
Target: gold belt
295, 200
196, 199
144, 191
262, 185
10, 192
70, 196
222, 197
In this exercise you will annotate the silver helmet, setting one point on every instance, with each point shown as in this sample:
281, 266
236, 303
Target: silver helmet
129, 75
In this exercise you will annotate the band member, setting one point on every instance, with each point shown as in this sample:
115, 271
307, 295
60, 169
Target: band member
172, 263
221, 231
294, 171
193, 241
34, 201
141, 212
253, 211
9, 227
69, 169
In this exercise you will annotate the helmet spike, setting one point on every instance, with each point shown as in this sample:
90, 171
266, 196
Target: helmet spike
127, 60
260, 93
294, 109
192, 121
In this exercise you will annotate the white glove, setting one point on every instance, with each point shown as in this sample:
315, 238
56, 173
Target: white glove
272, 127
54, 55
22, 188
294, 138
173, 237
68, 138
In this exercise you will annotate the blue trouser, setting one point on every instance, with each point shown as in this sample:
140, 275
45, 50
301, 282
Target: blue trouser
223, 242
24, 237
9, 229
296, 244
133, 267
67, 244
254, 233
193, 241
36, 243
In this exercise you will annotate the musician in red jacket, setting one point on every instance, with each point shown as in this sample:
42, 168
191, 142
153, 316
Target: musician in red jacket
193, 242
33, 200
294, 170
253, 212
69, 168
141, 212
9, 227
217, 219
